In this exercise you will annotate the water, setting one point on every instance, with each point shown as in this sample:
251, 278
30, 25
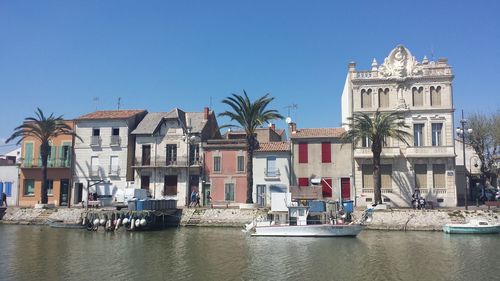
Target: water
43, 253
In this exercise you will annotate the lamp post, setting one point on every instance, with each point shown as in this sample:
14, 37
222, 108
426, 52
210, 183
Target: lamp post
188, 142
461, 132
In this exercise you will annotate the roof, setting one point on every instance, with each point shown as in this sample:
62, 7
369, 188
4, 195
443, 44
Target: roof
318, 133
152, 121
274, 146
111, 114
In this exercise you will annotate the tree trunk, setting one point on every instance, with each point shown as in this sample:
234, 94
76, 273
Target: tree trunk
44, 154
377, 180
249, 167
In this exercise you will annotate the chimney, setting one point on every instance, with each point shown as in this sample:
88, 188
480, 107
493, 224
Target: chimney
273, 127
293, 127
205, 113
351, 66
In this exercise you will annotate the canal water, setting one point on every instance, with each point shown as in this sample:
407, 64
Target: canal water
42, 253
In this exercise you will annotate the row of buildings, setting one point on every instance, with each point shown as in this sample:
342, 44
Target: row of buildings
172, 153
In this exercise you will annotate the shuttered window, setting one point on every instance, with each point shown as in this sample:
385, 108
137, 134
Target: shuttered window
229, 192
29, 187
303, 157
303, 181
420, 176
438, 171
326, 152
367, 171
386, 175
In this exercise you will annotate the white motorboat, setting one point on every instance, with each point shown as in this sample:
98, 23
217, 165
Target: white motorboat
298, 226
472, 227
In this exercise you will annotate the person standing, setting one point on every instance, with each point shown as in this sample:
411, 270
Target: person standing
4, 199
197, 199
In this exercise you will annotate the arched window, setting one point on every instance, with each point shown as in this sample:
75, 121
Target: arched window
383, 98
418, 96
366, 98
436, 96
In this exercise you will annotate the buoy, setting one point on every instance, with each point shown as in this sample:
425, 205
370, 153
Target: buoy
143, 222
103, 221
125, 221
132, 224
96, 222
137, 222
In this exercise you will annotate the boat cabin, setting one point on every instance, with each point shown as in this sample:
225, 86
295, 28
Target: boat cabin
298, 215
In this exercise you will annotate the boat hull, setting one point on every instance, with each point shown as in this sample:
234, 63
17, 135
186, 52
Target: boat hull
322, 230
464, 229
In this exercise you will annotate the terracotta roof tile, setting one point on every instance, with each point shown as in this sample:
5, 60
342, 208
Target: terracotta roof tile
274, 146
318, 133
110, 114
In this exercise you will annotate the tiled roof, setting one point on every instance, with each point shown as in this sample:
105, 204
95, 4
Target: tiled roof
274, 146
110, 114
318, 133
152, 120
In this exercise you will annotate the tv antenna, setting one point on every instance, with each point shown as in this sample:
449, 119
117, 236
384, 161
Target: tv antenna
119, 102
96, 102
291, 107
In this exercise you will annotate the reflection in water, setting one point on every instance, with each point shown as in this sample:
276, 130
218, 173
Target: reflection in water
42, 253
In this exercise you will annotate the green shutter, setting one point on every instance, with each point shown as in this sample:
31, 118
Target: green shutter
60, 159
52, 159
28, 154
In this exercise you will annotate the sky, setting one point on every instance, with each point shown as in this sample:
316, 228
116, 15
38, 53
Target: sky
73, 57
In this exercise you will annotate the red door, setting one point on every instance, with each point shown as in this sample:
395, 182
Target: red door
326, 184
345, 185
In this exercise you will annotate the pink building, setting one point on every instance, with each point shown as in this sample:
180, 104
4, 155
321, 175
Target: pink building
225, 170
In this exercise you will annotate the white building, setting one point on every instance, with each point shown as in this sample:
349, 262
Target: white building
9, 176
422, 93
271, 171
168, 155
104, 152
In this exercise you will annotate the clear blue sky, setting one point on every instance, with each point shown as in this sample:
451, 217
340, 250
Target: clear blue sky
156, 55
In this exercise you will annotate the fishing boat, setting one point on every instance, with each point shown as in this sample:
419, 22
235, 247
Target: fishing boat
298, 226
472, 227
62, 224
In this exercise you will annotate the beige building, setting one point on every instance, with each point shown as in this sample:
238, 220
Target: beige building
422, 93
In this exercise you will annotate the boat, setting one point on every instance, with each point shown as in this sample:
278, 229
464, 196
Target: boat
298, 226
62, 224
472, 227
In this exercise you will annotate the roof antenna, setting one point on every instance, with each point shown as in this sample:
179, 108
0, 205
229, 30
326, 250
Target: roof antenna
210, 103
293, 106
96, 102
119, 102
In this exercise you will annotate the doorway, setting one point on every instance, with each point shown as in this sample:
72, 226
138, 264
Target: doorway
145, 182
63, 198
170, 186
261, 195
345, 185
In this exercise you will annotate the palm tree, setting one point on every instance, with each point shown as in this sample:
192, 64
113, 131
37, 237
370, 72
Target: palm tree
383, 125
44, 129
249, 116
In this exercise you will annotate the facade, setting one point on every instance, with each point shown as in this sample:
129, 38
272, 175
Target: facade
9, 176
104, 152
271, 171
422, 93
168, 156
58, 171
321, 164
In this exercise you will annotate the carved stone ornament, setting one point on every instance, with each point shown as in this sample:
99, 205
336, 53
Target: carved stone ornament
400, 64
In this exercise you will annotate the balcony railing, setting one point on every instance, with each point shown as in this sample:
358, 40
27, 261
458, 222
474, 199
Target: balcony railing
51, 163
430, 151
114, 170
272, 173
387, 152
115, 141
168, 162
95, 140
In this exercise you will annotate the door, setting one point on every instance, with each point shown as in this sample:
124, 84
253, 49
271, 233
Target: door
206, 192
261, 195
326, 185
145, 182
146, 155
63, 198
170, 187
345, 185
79, 192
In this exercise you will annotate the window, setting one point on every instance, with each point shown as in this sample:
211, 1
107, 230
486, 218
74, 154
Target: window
28, 154
438, 171
418, 96
241, 163
29, 187
65, 154
115, 131
229, 192
114, 167
436, 96
303, 181
420, 176
386, 176
171, 154
194, 154
94, 165
303, 157
418, 138
96, 132
271, 166
146, 155
50, 187
217, 167
366, 142
367, 171
366, 98
326, 152
383, 98
436, 134
8, 188
170, 187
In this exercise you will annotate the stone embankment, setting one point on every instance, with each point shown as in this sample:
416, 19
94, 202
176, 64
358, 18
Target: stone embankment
390, 219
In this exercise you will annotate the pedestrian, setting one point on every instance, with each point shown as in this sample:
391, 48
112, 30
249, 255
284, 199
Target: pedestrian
197, 199
4, 199
209, 198
193, 198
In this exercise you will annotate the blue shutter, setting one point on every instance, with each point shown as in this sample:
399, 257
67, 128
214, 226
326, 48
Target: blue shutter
8, 189
1, 187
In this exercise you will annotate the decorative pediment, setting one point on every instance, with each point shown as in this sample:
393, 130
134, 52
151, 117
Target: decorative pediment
400, 64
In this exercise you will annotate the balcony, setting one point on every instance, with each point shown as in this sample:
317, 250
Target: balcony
177, 162
51, 163
272, 174
95, 141
430, 151
387, 152
114, 171
115, 141
95, 172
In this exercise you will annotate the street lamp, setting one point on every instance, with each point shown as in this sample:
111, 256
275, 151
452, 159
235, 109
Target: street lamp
188, 142
461, 132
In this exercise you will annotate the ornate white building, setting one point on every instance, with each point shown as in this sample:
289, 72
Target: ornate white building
422, 93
